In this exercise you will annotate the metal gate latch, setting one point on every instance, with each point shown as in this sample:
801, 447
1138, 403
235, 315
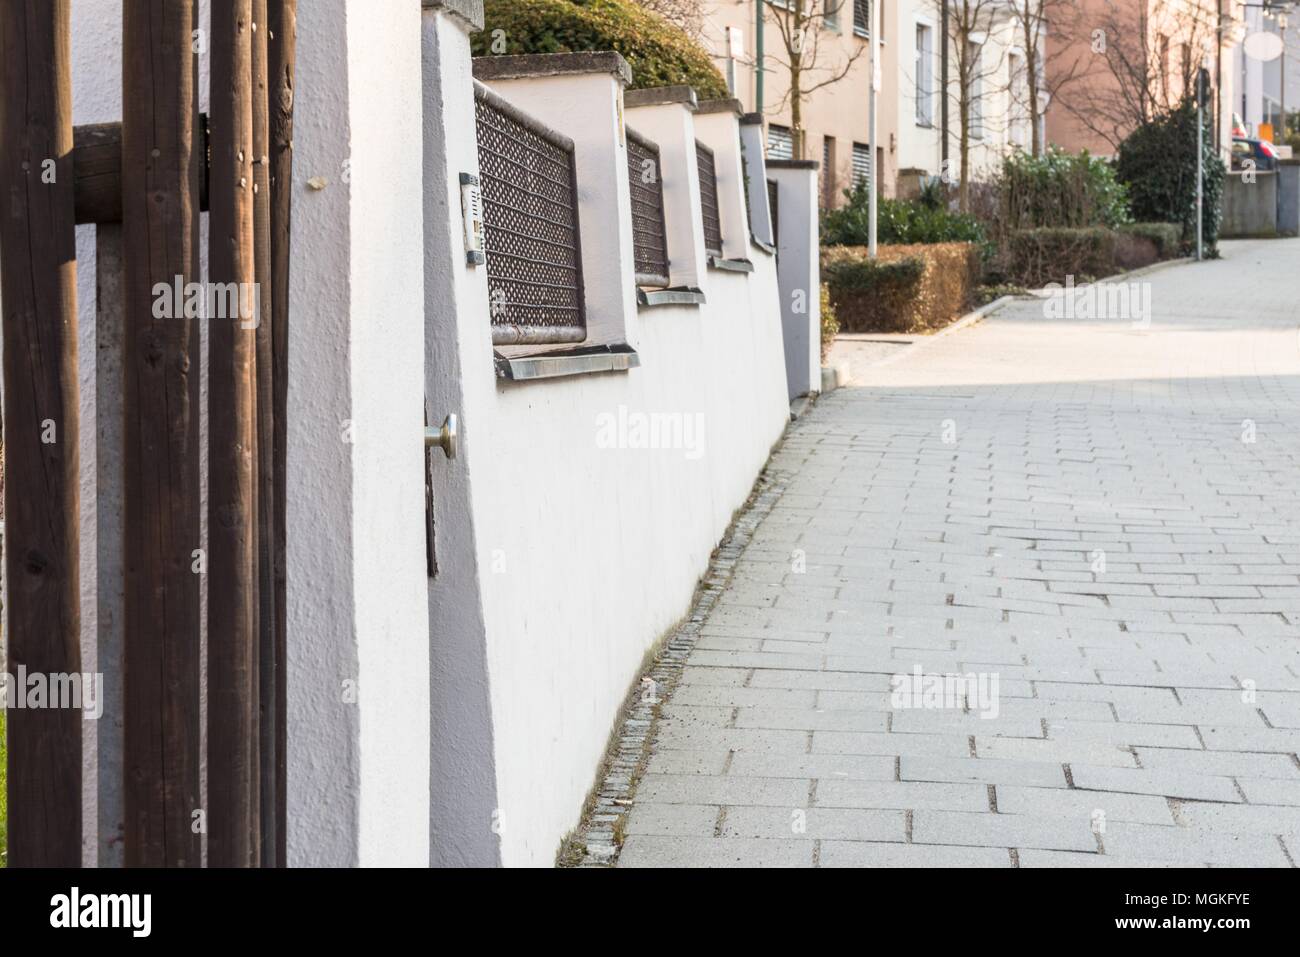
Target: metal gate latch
443, 438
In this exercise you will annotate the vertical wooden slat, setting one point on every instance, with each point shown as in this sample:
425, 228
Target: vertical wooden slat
161, 437
38, 273
267, 730
233, 830
282, 39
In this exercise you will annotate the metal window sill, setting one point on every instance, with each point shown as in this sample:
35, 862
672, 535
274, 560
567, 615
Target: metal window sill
765, 246
682, 296
730, 265
553, 365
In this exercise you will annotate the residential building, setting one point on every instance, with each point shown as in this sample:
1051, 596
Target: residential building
1261, 96
835, 119
1114, 64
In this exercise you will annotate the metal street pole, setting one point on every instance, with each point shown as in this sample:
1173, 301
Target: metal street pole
759, 55
871, 128
1201, 82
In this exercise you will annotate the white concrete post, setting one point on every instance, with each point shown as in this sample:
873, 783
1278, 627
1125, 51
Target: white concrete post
358, 631
463, 821
665, 115
581, 96
799, 272
717, 124
760, 211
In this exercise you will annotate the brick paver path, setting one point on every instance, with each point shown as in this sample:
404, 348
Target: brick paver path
1102, 517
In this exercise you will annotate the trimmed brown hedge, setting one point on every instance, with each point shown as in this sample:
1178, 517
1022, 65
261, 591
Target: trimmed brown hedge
659, 53
917, 288
1042, 256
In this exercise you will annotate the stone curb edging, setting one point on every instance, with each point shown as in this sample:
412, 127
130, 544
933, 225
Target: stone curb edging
599, 833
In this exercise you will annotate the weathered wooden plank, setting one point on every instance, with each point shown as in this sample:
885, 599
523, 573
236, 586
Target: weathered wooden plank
161, 502
282, 41
38, 272
233, 801
266, 426
97, 166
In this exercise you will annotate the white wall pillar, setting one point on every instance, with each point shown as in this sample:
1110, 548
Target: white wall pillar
755, 159
717, 124
358, 653
799, 272
459, 377
581, 96
666, 116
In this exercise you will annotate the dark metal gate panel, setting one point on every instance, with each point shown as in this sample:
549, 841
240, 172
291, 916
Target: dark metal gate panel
709, 199
531, 236
649, 229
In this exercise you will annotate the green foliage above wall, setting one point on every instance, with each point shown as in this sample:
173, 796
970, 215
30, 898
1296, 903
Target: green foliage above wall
659, 53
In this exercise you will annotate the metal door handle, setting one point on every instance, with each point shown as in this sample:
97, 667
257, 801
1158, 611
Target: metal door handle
444, 438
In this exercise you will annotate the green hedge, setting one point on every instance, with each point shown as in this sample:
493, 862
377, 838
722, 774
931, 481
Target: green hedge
1059, 189
901, 222
1042, 256
1157, 162
659, 53
1166, 237
870, 295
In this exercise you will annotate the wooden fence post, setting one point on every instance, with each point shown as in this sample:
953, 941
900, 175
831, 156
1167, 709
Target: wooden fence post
266, 427
160, 207
38, 272
233, 801
282, 37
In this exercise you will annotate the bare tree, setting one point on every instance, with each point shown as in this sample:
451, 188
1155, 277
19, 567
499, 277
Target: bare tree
1129, 50
801, 25
1032, 20
686, 14
970, 24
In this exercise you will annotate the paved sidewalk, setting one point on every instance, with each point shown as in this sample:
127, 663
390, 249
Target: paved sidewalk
1103, 519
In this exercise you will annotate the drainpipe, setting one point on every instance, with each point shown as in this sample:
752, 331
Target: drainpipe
758, 56
943, 87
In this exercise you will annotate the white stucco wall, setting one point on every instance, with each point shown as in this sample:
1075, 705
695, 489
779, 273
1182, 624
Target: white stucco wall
587, 555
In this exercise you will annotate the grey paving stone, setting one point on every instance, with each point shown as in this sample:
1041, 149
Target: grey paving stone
817, 823
986, 829
1192, 846
725, 789
1096, 808
1178, 784
867, 854
904, 795
645, 850
983, 770
852, 767
1271, 791
673, 820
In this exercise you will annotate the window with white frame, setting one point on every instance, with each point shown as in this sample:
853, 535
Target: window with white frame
1018, 130
831, 14
923, 74
976, 74
780, 144
861, 164
862, 17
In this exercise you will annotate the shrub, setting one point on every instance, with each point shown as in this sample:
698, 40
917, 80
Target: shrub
903, 222
1166, 237
1157, 162
1059, 189
1042, 256
830, 321
907, 289
659, 53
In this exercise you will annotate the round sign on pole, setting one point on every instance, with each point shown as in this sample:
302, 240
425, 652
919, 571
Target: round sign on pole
1263, 46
